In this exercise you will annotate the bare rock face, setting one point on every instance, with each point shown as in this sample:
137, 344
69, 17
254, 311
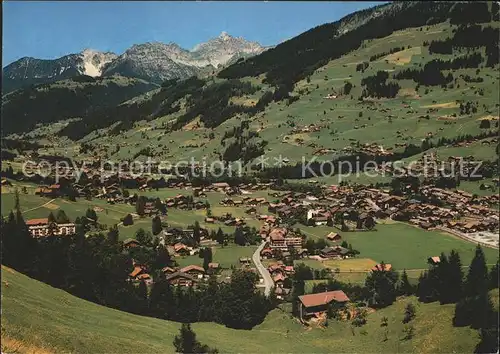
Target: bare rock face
154, 62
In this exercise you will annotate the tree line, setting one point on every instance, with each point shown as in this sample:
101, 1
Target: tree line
314, 48
470, 36
96, 267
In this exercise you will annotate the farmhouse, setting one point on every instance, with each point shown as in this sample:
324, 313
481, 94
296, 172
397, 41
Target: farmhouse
181, 249
332, 252
194, 270
130, 243
266, 253
434, 260
314, 303
333, 236
181, 279
382, 267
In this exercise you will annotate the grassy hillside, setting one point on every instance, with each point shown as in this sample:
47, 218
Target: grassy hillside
71, 98
417, 112
39, 318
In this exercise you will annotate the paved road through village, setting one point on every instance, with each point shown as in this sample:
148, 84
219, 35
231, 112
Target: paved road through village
268, 281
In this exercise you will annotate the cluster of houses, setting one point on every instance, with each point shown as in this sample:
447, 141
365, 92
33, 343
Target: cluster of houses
279, 273
311, 128
371, 149
227, 219
190, 275
184, 202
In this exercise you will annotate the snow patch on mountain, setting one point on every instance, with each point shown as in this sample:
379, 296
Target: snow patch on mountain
94, 62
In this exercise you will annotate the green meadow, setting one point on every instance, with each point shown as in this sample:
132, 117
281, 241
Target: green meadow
39, 318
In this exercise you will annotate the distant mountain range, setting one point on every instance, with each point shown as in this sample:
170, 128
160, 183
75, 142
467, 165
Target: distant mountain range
153, 62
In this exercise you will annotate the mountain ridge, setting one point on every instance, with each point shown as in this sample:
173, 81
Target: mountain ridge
151, 61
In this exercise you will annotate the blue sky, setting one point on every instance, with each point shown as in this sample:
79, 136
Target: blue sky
52, 29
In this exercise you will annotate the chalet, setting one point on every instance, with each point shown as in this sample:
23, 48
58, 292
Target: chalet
194, 270
281, 293
320, 220
382, 267
245, 260
275, 269
150, 208
336, 251
261, 200
53, 190
303, 252
311, 304
181, 279
230, 222
220, 185
433, 260
333, 236
266, 253
251, 210
146, 278
213, 266
181, 249
289, 270
168, 270
271, 219
42, 227
209, 220
137, 270
130, 243
278, 280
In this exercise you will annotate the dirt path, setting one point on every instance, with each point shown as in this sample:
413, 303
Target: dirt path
38, 207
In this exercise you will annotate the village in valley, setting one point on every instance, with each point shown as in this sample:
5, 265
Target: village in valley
337, 191
262, 228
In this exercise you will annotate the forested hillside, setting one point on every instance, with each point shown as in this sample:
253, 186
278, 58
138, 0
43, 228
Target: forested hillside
422, 67
71, 98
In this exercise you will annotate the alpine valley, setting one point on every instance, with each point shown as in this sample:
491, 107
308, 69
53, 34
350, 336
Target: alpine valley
361, 215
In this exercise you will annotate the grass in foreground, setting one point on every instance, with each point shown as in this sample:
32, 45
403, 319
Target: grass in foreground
40, 318
403, 245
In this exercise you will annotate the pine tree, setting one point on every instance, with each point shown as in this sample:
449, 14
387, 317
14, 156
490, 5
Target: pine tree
220, 237
113, 235
454, 278
381, 286
142, 296
161, 298
239, 237
91, 214
410, 312
477, 278
61, 217
424, 290
52, 224
144, 238
51, 218
404, 286
197, 232
207, 257
162, 258
493, 276
297, 290
156, 225
140, 205
186, 342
